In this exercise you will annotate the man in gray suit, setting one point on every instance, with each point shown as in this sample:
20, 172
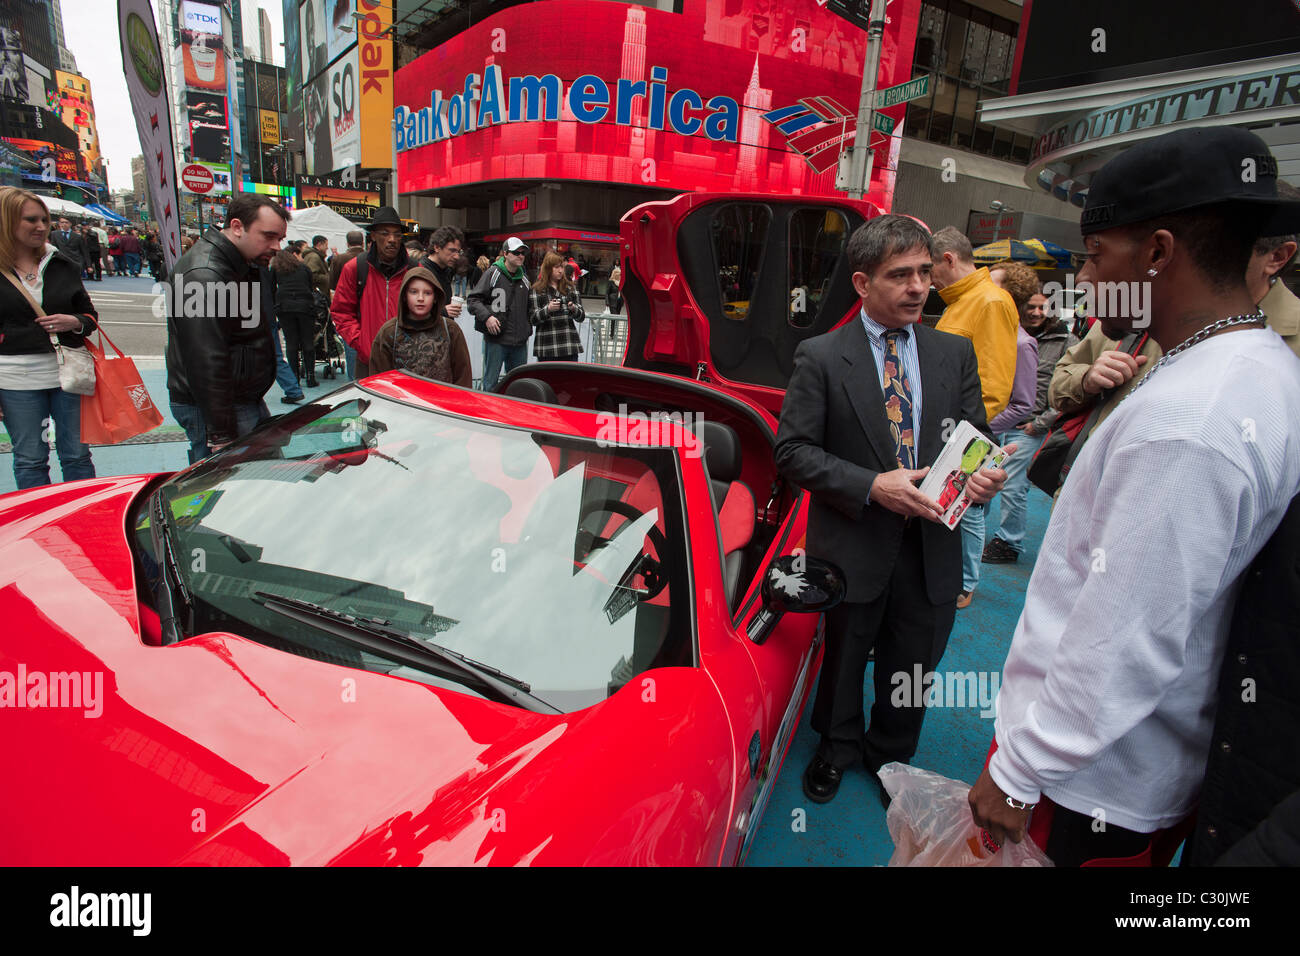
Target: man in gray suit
867, 410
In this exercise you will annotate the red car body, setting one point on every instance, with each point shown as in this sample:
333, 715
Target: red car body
222, 750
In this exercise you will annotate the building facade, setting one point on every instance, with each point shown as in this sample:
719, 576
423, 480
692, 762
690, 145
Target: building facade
1082, 93
510, 127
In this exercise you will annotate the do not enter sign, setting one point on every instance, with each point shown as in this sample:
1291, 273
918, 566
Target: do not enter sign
196, 178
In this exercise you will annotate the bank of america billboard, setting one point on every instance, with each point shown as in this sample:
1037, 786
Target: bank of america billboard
708, 98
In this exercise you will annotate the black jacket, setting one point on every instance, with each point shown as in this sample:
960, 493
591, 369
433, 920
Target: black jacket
62, 292
1249, 812
444, 276
293, 291
514, 298
834, 439
91, 238
74, 247
222, 356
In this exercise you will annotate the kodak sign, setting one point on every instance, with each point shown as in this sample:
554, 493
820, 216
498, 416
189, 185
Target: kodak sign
375, 56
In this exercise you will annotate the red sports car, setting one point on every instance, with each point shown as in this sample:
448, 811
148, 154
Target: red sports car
413, 623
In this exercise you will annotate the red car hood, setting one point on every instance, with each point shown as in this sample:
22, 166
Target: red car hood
220, 750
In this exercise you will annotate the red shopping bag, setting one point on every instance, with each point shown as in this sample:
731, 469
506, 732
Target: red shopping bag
121, 407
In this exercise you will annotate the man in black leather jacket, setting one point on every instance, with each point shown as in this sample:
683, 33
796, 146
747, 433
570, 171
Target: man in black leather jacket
220, 356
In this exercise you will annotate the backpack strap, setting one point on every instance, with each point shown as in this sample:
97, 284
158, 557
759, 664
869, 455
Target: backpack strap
363, 270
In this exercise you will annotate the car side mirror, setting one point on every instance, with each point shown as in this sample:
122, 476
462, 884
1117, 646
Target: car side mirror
798, 583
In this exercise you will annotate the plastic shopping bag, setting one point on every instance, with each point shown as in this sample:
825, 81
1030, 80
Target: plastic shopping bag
121, 407
931, 824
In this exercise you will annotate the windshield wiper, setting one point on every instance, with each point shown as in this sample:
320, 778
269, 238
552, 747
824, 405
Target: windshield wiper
164, 544
378, 637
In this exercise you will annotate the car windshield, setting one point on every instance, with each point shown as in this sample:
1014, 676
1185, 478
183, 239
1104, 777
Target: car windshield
556, 561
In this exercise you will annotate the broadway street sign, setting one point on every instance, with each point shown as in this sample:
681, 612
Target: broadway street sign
910, 90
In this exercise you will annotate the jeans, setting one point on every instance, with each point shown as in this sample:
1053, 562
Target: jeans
1016, 490
284, 376
972, 546
28, 415
350, 361
190, 418
132, 263
494, 354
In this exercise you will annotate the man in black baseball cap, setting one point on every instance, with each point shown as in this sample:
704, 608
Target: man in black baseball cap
1105, 712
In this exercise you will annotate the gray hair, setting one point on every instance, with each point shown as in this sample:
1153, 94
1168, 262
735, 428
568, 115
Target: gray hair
948, 239
882, 238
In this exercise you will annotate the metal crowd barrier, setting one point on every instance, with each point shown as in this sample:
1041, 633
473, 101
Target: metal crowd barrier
608, 338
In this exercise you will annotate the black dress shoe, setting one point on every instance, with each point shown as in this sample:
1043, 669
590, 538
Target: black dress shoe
880, 787
821, 781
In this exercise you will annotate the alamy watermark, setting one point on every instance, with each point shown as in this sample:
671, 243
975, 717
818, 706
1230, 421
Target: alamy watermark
192, 299
949, 689
75, 908
78, 690
1104, 300
656, 429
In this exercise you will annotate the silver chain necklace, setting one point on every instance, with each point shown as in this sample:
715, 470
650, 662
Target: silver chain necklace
1254, 318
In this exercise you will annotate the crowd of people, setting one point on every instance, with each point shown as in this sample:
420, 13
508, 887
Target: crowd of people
1136, 636
112, 251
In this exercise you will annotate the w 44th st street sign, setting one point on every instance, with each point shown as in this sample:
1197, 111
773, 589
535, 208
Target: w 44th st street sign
910, 90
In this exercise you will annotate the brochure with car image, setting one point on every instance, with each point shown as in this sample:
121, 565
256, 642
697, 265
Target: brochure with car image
967, 450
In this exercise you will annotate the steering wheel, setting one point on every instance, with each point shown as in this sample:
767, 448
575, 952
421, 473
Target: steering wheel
652, 572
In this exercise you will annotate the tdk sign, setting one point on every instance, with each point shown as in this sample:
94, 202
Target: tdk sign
201, 22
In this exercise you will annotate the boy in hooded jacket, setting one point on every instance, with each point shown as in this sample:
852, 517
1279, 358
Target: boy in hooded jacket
419, 338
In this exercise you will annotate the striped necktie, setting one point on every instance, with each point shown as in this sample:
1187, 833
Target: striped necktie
898, 401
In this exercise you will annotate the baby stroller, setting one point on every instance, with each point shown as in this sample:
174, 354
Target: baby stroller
327, 343
329, 347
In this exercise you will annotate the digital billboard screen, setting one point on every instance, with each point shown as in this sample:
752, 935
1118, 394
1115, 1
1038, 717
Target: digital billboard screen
209, 130
202, 46
744, 95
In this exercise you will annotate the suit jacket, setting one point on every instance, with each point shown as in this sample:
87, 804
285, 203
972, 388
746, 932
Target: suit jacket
74, 247
834, 440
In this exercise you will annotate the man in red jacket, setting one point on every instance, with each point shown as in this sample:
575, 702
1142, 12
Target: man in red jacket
362, 303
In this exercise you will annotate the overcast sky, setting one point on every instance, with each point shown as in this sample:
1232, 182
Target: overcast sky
86, 26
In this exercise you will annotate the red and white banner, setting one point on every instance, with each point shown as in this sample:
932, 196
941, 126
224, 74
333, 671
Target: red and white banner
147, 84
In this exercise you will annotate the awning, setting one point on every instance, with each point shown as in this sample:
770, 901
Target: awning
65, 207
108, 214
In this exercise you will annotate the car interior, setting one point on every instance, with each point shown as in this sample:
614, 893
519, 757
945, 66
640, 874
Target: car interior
750, 500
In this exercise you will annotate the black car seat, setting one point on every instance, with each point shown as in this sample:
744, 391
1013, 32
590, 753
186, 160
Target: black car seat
733, 502
532, 390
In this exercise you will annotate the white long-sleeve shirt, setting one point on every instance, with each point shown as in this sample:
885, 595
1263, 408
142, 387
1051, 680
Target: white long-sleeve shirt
1108, 692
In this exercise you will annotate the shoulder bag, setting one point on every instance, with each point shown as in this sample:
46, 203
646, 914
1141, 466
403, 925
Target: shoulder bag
76, 366
1065, 438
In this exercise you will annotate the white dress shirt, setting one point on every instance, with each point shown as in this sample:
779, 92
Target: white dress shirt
1108, 692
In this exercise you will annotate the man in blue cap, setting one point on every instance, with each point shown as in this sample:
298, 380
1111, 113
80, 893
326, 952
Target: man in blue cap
1108, 691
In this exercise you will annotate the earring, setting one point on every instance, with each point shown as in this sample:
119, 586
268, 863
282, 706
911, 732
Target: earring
1152, 273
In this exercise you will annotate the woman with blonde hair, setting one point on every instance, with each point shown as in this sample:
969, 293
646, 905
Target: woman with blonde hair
554, 309
42, 301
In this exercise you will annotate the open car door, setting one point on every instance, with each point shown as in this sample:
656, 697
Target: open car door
723, 288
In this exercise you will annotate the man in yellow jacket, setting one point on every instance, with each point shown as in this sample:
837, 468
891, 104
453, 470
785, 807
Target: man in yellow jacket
980, 311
